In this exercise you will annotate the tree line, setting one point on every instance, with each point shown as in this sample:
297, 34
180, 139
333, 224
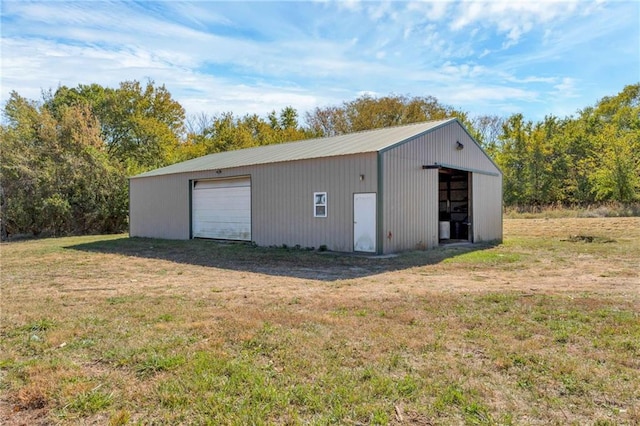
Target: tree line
65, 158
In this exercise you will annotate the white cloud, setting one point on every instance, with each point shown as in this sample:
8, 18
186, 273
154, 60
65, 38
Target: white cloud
379, 10
531, 79
512, 18
464, 71
256, 57
471, 94
431, 10
197, 14
350, 5
566, 88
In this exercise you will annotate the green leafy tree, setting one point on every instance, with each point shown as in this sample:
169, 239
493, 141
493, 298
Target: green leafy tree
620, 140
327, 121
55, 174
593, 157
19, 165
141, 125
612, 133
289, 118
513, 158
486, 129
368, 112
617, 176
226, 132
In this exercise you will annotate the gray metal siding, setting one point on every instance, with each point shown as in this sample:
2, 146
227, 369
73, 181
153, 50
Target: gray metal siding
440, 148
159, 207
281, 205
410, 211
283, 201
487, 207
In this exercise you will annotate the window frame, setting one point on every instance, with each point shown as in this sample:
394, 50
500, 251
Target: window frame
319, 203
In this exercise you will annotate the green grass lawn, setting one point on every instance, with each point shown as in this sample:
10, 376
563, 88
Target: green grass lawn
542, 329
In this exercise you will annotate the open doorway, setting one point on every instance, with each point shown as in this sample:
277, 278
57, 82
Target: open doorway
454, 205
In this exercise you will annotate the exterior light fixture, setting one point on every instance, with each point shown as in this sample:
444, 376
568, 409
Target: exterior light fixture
218, 171
459, 145
361, 177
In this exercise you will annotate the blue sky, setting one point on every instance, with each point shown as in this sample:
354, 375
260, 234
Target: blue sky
533, 57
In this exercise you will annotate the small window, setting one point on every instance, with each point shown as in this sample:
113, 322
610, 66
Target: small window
319, 204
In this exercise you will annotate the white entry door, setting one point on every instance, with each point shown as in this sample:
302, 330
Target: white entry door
364, 222
222, 209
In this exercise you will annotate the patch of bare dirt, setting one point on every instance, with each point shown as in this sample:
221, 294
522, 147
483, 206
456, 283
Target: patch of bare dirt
13, 415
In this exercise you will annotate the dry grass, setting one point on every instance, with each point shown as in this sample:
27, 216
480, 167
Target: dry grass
542, 329
560, 211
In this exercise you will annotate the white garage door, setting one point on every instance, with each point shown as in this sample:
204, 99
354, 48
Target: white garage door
222, 209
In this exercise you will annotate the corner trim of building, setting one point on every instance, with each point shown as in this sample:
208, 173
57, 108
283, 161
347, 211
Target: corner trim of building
190, 209
129, 189
379, 208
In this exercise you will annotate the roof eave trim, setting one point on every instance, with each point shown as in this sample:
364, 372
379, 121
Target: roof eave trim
258, 163
417, 135
479, 146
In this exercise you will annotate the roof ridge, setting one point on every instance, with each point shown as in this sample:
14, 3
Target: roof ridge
397, 126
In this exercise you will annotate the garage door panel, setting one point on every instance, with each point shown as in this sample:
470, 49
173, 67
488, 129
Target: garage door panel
215, 184
224, 231
222, 209
238, 216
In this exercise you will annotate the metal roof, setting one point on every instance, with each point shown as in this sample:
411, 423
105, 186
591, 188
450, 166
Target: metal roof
353, 143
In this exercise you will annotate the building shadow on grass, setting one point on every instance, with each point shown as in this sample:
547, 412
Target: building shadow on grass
276, 261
